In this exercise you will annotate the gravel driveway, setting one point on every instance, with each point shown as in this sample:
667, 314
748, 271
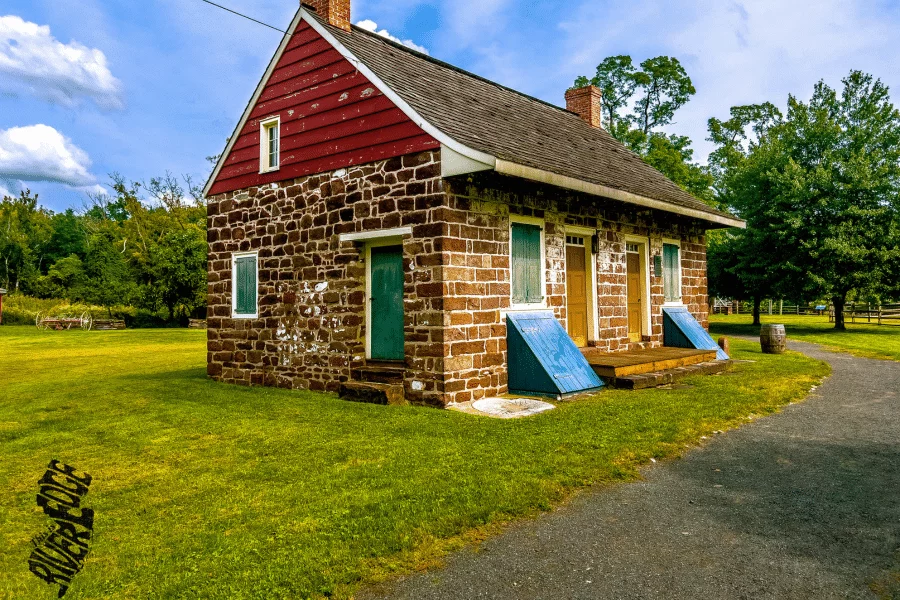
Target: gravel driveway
802, 504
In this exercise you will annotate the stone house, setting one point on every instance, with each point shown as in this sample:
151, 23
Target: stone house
377, 213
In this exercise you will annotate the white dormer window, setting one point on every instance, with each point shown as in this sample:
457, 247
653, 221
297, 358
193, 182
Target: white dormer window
270, 145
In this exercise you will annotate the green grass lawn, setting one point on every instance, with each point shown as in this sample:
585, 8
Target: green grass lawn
205, 490
873, 341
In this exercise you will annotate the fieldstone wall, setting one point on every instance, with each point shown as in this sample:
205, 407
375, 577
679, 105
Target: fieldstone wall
478, 277
311, 326
694, 292
310, 332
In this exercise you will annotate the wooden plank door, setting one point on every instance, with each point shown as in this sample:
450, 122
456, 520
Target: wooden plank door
576, 294
386, 303
635, 297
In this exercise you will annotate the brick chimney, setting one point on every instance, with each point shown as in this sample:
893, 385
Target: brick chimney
336, 12
585, 102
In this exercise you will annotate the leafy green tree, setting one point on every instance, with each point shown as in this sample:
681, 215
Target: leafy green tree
653, 94
819, 190
722, 281
664, 87
672, 155
178, 267
24, 235
68, 236
65, 279
110, 280
616, 78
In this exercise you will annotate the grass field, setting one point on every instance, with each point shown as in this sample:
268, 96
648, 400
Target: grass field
873, 341
204, 490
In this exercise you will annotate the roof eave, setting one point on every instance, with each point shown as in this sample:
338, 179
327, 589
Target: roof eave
302, 15
470, 160
570, 183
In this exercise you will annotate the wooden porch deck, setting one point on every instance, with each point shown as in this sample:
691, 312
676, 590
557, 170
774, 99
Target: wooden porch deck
622, 364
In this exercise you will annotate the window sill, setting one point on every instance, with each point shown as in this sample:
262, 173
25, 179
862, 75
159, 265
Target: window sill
242, 316
525, 307
264, 171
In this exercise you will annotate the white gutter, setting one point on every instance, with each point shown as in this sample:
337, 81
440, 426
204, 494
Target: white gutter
578, 185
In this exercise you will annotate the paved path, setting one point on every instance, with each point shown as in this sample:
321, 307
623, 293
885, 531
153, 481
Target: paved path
802, 504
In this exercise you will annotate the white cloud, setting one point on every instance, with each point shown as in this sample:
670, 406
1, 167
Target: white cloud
32, 61
41, 153
370, 25
95, 189
740, 52
6, 189
768, 49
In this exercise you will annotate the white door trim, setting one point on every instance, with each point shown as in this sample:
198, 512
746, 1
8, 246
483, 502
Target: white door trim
644, 253
593, 328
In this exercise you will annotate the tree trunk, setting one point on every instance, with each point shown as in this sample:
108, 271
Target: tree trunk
757, 302
839, 302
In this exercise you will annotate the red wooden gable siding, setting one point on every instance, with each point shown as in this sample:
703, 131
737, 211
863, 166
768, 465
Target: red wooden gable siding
331, 117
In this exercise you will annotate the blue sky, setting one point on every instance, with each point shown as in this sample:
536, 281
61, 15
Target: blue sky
89, 87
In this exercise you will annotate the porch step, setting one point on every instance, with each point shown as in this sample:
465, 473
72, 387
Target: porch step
657, 378
373, 393
379, 372
622, 364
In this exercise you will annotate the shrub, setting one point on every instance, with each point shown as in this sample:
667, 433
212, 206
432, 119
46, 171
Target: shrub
19, 309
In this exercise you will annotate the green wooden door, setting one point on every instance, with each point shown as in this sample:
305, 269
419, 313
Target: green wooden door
386, 303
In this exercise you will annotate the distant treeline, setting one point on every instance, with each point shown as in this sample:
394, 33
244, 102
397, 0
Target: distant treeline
144, 246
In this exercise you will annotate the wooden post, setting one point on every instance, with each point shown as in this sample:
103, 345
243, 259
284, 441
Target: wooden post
770, 306
781, 307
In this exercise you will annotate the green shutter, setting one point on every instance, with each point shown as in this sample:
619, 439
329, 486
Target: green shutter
526, 264
245, 285
671, 282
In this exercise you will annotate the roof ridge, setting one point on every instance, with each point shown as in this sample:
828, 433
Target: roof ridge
441, 63
585, 154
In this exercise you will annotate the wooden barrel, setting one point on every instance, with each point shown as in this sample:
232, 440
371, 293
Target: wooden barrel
772, 338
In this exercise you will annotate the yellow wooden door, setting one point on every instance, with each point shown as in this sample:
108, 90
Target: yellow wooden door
576, 294
635, 309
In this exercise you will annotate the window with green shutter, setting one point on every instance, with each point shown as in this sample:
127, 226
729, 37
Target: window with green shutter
671, 273
245, 285
526, 264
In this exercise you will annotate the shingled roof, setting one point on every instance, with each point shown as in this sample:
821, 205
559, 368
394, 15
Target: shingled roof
512, 126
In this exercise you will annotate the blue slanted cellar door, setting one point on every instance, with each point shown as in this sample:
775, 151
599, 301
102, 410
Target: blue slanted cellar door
543, 359
386, 303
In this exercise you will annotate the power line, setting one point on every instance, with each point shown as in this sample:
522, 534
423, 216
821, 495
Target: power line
234, 12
